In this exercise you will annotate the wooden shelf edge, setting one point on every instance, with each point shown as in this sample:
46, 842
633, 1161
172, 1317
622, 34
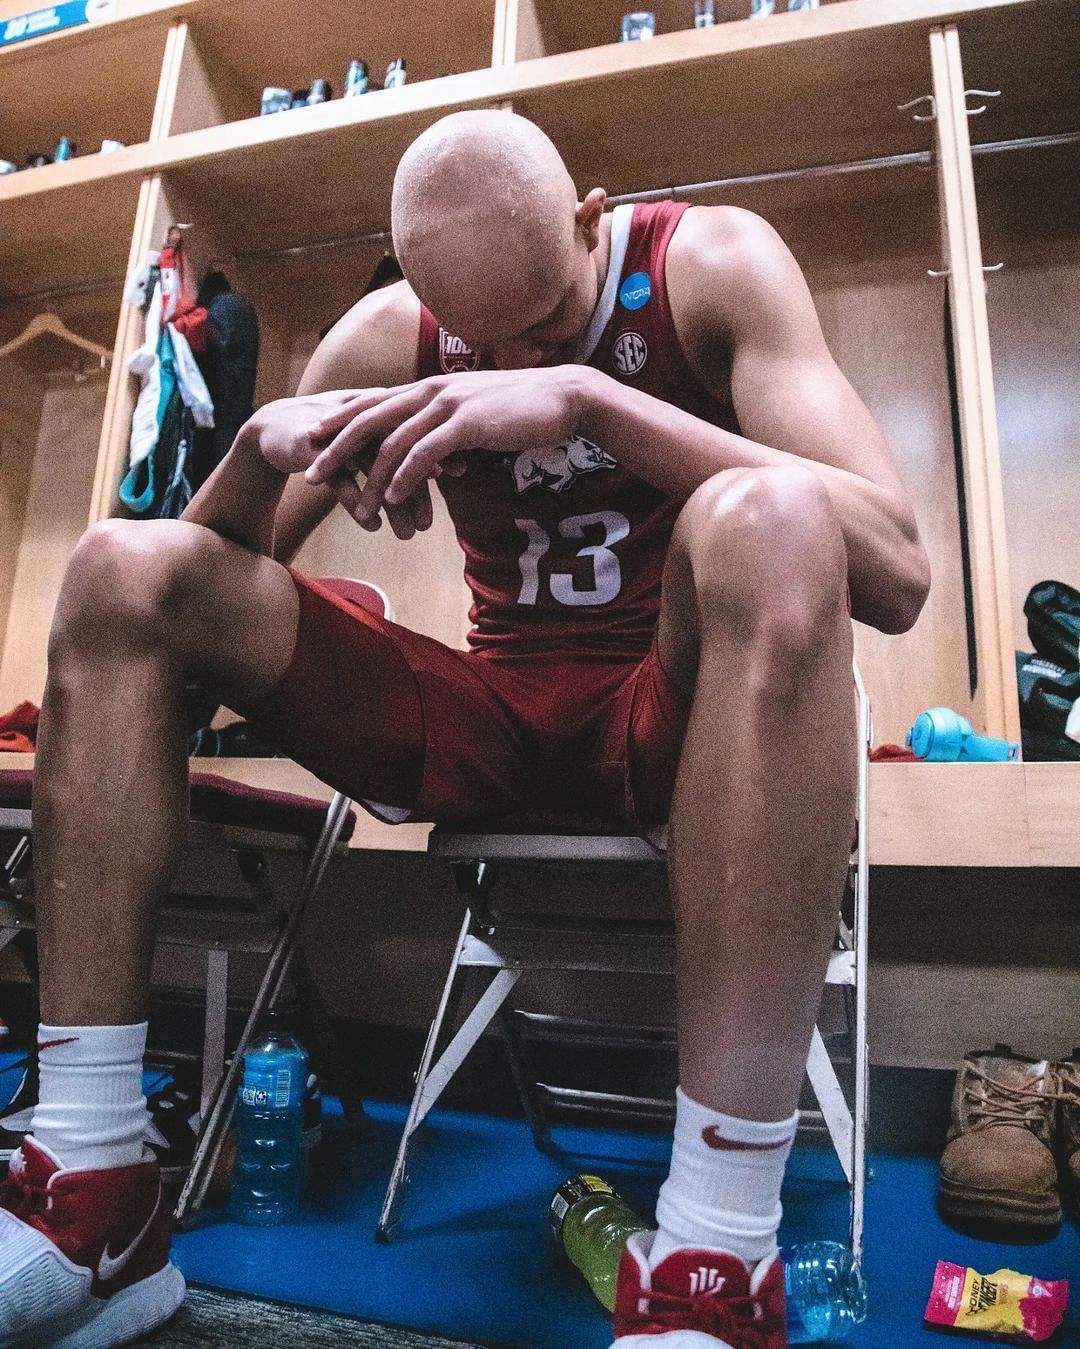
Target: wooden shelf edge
132, 14
921, 815
496, 84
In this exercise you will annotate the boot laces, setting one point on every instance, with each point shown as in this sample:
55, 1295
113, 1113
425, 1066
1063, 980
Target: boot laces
998, 1103
744, 1322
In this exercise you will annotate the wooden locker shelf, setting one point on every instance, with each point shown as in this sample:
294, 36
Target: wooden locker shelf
71, 236
101, 86
685, 107
253, 43
311, 174
921, 815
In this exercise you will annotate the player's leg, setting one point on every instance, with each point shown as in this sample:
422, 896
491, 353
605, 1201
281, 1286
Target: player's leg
755, 617
755, 624
84, 1230
145, 607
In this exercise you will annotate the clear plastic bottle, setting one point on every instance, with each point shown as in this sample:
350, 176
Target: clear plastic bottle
356, 82
269, 1130
826, 1296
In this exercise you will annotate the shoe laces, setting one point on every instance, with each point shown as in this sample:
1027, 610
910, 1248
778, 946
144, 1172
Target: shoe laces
1001, 1104
744, 1322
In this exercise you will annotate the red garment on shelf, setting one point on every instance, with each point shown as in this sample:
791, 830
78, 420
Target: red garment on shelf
18, 729
892, 754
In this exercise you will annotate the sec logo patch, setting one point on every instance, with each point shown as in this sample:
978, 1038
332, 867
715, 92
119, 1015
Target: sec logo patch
630, 353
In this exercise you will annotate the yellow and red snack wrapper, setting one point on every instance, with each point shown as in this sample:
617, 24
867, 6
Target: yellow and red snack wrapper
1005, 1304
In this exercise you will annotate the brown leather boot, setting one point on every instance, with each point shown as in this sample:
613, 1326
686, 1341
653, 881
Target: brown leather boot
998, 1169
1068, 1130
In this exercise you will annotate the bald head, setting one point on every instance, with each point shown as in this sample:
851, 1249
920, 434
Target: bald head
483, 216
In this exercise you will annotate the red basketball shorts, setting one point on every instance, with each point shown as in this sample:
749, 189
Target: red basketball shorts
416, 730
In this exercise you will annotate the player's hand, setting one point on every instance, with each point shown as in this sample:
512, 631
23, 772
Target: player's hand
420, 428
285, 439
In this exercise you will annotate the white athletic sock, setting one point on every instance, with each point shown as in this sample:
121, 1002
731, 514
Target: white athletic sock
723, 1190
91, 1111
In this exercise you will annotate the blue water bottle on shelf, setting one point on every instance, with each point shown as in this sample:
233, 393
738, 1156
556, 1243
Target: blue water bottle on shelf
826, 1296
944, 736
269, 1130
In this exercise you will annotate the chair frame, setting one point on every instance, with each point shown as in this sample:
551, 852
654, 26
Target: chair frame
508, 954
219, 937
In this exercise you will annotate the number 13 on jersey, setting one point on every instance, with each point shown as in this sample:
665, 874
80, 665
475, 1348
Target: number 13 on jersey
607, 575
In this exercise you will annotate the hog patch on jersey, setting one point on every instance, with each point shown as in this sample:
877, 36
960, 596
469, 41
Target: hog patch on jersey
556, 467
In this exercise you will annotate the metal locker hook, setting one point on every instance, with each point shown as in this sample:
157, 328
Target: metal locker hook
980, 93
917, 117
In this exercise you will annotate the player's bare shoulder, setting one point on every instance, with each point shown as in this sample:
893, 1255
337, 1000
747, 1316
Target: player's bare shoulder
373, 344
717, 257
727, 270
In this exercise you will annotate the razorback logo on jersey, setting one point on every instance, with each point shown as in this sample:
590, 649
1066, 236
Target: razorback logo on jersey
454, 355
556, 467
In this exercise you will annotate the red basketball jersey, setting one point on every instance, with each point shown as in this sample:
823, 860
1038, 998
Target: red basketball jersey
564, 549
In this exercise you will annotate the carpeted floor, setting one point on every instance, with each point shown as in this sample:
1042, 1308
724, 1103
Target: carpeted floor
474, 1258
210, 1318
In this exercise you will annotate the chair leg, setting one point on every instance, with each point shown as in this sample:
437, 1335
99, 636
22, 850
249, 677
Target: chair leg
831, 1101
217, 1005
216, 1120
860, 924
431, 1079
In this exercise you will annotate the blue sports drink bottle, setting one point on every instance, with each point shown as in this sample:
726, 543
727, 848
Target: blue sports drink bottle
944, 736
269, 1131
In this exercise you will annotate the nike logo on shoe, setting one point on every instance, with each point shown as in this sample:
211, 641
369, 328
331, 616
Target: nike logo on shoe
55, 1044
714, 1139
110, 1266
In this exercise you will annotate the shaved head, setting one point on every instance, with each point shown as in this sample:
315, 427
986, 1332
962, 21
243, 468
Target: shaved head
483, 216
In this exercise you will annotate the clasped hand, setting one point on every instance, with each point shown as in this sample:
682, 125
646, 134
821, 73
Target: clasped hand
402, 438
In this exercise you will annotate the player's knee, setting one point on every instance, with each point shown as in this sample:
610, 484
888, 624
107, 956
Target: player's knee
767, 557
125, 580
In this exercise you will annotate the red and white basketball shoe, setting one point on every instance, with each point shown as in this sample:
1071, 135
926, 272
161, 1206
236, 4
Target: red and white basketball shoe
84, 1255
698, 1300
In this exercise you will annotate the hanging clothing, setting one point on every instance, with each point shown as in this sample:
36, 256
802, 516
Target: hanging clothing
229, 364
174, 399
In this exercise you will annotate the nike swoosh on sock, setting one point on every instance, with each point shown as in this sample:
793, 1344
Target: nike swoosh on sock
713, 1138
55, 1044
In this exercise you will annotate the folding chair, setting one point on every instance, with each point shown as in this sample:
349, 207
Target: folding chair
509, 948
233, 827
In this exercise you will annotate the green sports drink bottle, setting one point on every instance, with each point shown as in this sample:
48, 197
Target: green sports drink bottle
826, 1295
593, 1225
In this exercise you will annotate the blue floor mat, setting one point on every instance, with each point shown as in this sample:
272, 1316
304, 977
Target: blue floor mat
474, 1258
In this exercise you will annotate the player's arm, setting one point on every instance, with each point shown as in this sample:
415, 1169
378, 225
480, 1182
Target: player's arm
372, 346
746, 318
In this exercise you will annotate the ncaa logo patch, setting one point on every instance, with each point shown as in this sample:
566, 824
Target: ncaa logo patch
636, 291
454, 355
630, 353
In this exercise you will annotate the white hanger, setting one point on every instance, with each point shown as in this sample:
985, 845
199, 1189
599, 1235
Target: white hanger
55, 326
